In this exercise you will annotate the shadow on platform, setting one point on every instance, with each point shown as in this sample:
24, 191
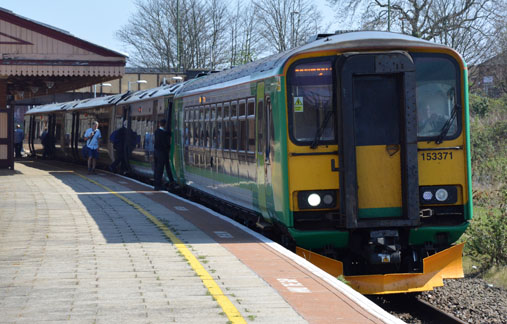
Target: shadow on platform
120, 228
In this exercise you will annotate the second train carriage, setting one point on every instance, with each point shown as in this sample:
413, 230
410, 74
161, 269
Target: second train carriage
138, 111
142, 110
354, 146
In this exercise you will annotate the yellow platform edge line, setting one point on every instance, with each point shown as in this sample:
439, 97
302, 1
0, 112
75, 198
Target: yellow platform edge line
227, 306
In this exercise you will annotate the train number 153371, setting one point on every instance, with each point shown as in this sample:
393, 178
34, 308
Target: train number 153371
429, 156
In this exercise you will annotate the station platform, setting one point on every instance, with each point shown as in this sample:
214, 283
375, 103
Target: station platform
103, 248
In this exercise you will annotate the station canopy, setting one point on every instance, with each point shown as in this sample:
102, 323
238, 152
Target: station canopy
38, 59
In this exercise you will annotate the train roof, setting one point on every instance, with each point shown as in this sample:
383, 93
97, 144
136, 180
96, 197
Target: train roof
97, 102
273, 65
122, 98
52, 107
162, 91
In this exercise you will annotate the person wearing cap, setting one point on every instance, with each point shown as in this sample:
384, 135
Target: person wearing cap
19, 135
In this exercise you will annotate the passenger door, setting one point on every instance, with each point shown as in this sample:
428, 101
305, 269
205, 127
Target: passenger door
261, 157
378, 140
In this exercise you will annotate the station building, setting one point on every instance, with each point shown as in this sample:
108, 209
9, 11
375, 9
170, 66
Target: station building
41, 60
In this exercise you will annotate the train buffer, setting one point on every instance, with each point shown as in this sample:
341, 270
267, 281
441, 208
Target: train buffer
105, 249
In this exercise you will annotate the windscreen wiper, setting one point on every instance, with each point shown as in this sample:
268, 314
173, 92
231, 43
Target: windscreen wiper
447, 125
319, 132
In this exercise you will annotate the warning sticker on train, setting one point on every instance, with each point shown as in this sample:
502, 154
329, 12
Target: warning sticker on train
298, 104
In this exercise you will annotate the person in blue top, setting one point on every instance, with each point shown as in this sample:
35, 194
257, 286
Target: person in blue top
91, 149
19, 135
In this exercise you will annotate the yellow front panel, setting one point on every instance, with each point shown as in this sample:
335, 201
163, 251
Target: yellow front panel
378, 177
434, 170
312, 173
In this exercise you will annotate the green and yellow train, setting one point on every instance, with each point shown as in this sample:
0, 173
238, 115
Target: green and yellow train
354, 147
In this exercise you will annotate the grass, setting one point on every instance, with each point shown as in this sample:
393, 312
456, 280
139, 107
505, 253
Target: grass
485, 254
496, 275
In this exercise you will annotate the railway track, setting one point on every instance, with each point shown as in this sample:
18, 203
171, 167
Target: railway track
411, 309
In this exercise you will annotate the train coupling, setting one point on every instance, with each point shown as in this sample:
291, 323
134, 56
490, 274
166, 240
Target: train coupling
384, 247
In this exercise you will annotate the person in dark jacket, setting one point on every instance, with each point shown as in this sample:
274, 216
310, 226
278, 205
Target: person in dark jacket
162, 147
18, 140
118, 140
45, 140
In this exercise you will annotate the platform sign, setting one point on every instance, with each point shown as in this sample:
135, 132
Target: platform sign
298, 104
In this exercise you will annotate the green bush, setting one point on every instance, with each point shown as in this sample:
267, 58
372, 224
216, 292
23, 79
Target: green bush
487, 238
489, 141
487, 234
479, 105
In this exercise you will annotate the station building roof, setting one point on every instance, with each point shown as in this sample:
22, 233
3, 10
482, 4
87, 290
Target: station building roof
39, 59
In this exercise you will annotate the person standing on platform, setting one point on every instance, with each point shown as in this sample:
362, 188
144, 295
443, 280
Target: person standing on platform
117, 138
92, 137
19, 135
162, 147
44, 140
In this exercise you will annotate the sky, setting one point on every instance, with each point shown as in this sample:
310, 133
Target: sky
95, 21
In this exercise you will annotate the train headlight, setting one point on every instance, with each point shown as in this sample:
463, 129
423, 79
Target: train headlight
317, 199
432, 195
328, 199
441, 194
427, 195
314, 200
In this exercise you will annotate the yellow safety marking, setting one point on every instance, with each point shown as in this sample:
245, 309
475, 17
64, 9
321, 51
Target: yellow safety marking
228, 307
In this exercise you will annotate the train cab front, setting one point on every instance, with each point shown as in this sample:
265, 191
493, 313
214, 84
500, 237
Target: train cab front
377, 158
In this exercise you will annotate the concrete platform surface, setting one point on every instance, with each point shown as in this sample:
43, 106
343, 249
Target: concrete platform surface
101, 248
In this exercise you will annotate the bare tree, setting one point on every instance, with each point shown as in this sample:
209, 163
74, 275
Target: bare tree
193, 34
287, 23
150, 34
152, 39
217, 31
244, 34
462, 24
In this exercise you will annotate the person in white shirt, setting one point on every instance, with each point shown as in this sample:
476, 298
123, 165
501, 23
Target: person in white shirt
91, 149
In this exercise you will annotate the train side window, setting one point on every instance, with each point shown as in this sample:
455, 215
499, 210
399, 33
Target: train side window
198, 128
234, 108
242, 131
205, 128
234, 126
188, 130
213, 113
242, 108
213, 126
185, 126
207, 112
250, 146
219, 126
219, 111
227, 127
